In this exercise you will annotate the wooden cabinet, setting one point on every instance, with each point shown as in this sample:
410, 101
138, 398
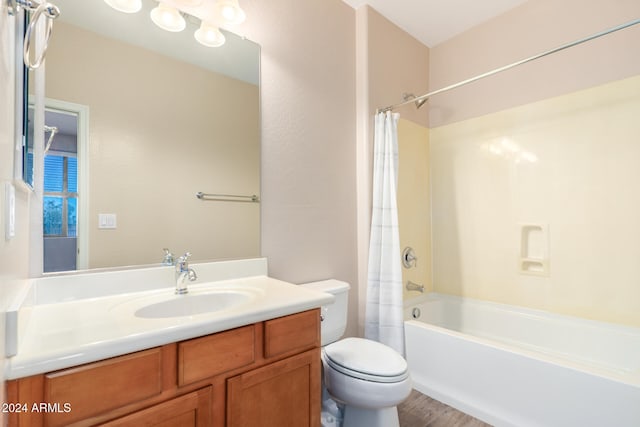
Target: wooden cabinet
291, 334
264, 374
282, 394
208, 356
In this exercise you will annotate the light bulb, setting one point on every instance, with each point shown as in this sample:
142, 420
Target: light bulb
126, 6
168, 18
209, 35
230, 12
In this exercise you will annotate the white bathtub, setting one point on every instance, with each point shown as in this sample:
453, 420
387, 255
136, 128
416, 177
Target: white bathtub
511, 366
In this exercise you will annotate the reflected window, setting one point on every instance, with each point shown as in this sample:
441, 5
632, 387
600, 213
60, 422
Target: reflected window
60, 196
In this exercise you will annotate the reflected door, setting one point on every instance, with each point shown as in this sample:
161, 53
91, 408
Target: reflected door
60, 200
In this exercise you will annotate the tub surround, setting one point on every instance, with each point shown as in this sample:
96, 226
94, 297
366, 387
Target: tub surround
414, 202
65, 321
567, 164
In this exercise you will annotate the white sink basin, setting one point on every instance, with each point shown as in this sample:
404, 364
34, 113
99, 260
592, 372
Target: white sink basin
193, 304
201, 300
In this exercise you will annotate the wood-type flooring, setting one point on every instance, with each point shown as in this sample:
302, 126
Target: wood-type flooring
422, 411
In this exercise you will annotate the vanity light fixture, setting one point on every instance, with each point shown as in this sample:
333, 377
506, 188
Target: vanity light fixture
230, 12
126, 6
168, 18
170, 15
209, 35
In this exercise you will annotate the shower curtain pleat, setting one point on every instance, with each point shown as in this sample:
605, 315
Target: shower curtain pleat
384, 309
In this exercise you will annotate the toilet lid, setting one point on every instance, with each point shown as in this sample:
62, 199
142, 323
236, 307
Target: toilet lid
366, 359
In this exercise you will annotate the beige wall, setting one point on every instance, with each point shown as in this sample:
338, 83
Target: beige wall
398, 63
529, 29
308, 139
314, 131
14, 253
308, 143
149, 155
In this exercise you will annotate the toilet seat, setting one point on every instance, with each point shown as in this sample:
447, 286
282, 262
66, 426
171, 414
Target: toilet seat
367, 360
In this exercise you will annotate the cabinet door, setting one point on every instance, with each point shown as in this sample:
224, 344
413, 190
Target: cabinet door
285, 393
193, 409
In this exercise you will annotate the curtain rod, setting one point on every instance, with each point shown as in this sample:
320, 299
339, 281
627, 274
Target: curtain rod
507, 67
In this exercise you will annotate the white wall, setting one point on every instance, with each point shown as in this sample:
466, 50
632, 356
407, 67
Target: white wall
13, 253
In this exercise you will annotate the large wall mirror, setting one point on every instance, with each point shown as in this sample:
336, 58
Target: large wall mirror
138, 120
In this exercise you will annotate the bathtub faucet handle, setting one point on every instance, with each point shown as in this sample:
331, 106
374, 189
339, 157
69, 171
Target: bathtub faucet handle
409, 258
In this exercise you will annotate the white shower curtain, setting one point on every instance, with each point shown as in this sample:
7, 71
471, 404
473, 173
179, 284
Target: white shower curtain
384, 311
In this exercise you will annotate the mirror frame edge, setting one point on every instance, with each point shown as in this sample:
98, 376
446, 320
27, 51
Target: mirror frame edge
21, 104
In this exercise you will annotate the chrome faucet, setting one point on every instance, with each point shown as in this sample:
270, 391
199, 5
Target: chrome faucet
183, 272
168, 257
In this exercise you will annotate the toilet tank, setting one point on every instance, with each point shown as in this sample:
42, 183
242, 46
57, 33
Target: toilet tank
334, 315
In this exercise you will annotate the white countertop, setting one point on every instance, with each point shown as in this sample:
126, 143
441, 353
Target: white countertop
69, 333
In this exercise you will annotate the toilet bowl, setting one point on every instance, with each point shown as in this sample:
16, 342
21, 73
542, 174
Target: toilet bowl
367, 378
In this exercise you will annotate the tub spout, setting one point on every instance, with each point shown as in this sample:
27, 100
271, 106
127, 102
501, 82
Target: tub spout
414, 286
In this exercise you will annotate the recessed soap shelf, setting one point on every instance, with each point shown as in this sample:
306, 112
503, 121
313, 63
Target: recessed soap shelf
534, 249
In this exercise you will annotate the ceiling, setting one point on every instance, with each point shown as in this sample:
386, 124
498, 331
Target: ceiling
434, 21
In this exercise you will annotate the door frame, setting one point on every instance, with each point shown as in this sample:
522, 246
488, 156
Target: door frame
82, 113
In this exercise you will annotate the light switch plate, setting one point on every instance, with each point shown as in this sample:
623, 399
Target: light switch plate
107, 221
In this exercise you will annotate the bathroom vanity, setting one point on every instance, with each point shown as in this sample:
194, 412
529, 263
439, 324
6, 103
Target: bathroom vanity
254, 364
264, 371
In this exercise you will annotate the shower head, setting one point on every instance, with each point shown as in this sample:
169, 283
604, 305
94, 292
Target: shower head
421, 102
409, 96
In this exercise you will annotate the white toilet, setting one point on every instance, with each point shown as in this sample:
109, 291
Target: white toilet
369, 378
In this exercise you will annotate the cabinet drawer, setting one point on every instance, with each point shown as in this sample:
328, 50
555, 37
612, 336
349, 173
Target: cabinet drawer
297, 332
206, 357
99, 387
